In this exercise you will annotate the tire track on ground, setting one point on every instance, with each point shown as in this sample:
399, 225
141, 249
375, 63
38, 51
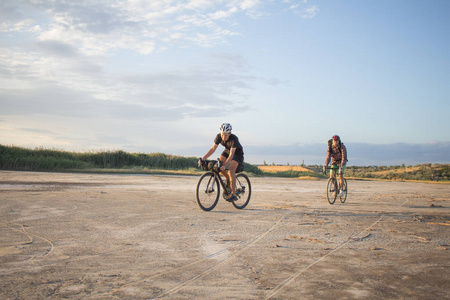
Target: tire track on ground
251, 242
31, 237
290, 279
93, 256
247, 243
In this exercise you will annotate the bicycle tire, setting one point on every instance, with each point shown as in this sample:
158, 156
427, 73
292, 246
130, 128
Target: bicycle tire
343, 198
332, 195
243, 191
207, 194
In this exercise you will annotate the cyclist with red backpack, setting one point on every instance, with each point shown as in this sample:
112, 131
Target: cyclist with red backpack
233, 155
337, 153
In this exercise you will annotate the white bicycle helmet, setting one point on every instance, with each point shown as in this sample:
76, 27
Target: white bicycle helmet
225, 127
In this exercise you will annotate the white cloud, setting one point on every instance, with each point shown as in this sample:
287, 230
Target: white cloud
223, 14
301, 9
249, 4
71, 43
19, 26
199, 4
59, 63
80, 81
310, 12
100, 26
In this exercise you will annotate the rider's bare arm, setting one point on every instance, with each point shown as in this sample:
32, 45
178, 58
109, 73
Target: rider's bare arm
328, 158
210, 151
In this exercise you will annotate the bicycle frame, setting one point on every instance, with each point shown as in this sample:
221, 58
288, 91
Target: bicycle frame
336, 183
335, 170
208, 196
218, 177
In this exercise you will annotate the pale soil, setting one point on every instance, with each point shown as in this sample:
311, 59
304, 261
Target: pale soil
274, 169
87, 236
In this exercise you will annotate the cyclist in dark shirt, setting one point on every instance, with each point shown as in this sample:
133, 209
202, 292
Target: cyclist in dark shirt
233, 155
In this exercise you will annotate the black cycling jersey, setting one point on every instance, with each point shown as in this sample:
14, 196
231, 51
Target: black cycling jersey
232, 142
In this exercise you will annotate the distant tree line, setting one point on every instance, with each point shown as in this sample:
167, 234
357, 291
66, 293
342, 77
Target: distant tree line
40, 159
418, 172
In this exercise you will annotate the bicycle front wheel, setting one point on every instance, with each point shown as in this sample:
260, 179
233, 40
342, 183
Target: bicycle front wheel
208, 191
332, 190
243, 191
345, 188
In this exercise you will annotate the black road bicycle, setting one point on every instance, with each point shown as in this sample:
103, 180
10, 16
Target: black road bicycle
333, 187
208, 187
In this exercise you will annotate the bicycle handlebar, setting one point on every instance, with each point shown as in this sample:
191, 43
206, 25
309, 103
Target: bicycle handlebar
202, 161
329, 168
325, 168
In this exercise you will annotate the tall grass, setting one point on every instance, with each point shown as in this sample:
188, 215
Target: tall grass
16, 158
40, 159
122, 159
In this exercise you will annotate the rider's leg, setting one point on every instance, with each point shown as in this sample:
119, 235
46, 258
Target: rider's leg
233, 166
224, 172
341, 180
341, 175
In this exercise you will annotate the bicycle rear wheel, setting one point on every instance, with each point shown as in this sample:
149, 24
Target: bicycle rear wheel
208, 191
345, 188
332, 190
243, 191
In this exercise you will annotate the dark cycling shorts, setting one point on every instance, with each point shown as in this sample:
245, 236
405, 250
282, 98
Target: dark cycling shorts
238, 158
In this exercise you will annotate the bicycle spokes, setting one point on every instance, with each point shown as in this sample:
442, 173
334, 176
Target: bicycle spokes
240, 190
332, 190
207, 191
243, 191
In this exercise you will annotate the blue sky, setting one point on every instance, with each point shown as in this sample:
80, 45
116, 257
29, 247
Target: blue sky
161, 76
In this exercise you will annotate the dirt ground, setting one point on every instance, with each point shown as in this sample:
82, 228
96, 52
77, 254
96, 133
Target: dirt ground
90, 236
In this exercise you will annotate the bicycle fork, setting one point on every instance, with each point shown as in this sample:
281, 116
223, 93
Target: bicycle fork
241, 188
210, 186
